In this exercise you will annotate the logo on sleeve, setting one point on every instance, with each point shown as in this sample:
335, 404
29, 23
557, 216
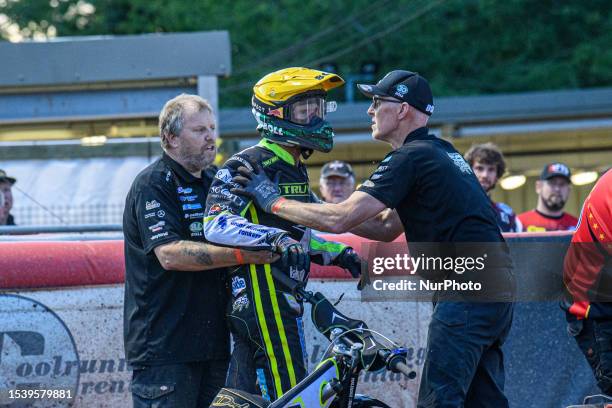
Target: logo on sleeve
368, 183
157, 227
460, 162
224, 175
151, 205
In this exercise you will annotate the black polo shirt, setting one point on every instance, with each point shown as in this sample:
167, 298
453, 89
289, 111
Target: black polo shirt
434, 191
169, 316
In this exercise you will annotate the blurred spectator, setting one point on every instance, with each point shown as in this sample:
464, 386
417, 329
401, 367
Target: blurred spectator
3, 210
337, 181
6, 183
488, 164
553, 190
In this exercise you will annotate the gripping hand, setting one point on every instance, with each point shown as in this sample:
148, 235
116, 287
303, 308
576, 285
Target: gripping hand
257, 185
349, 260
292, 253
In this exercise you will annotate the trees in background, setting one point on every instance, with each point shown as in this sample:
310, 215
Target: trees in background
462, 46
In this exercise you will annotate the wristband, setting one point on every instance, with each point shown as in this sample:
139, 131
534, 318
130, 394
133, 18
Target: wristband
239, 257
276, 206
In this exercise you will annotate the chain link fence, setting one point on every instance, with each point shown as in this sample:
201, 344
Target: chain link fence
108, 213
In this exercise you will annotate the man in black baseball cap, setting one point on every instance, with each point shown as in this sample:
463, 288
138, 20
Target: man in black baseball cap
424, 189
402, 86
553, 189
6, 183
337, 181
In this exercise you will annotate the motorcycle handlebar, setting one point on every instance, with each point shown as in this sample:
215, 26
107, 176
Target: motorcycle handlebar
404, 369
396, 363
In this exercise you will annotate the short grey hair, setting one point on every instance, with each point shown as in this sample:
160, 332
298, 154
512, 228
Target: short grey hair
172, 114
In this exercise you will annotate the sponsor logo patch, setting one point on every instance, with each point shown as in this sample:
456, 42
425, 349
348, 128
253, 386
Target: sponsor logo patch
151, 205
240, 304
238, 285
224, 175
184, 190
158, 226
161, 213
195, 226
368, 183
243, 161
149, 215
216, 209
194, 215
188, 198
163, 234
460, 162
192, 206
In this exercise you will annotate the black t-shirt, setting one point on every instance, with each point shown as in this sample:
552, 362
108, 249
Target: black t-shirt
434, 191
170, 316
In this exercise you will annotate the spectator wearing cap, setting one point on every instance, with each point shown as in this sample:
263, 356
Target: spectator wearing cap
337, 181
488, 164
6, 183
553, 190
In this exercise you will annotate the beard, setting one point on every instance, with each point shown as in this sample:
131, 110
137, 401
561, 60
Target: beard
197, 161
554, 202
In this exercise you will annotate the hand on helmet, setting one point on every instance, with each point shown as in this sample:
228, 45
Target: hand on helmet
349, 260
257, 185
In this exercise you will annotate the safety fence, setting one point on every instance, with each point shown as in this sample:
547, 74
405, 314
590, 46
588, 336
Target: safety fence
68, 299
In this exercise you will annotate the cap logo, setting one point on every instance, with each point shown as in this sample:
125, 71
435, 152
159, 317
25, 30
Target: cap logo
401, 90
429, 108
367, 88
558, 168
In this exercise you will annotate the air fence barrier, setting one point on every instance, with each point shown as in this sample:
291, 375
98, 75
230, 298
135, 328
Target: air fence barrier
61, 307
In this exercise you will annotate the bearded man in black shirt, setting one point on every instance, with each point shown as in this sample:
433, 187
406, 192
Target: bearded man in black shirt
175, 332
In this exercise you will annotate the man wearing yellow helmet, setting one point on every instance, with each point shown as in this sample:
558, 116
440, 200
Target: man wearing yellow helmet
265, 319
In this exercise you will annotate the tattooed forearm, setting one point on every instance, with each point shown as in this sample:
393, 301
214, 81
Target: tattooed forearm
199, 252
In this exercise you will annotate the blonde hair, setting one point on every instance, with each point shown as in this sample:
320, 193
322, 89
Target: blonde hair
172, 114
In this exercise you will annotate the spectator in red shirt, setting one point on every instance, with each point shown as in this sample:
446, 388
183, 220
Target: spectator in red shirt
553, 190
587, 275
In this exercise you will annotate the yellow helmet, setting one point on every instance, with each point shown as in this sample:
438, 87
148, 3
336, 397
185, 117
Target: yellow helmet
290, 107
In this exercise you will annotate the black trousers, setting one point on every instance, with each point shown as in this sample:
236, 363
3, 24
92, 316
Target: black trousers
269, 355
594, 338
186, 385
465, 363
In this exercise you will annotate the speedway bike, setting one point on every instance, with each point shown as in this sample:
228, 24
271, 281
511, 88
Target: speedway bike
353, 348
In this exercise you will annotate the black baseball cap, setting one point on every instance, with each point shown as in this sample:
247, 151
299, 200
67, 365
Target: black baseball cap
556, 170
4, 177
337, 168
407, 86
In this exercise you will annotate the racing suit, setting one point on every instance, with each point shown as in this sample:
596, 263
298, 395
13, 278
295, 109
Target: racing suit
265, 320
587, 275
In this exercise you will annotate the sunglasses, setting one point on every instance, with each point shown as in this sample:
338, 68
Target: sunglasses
376, 101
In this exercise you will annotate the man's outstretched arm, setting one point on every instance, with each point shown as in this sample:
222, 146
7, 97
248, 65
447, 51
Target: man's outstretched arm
336, 218
200, 256
328, 217
385, 226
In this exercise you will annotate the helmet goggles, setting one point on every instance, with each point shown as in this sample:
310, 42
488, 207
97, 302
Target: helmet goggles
304, 109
